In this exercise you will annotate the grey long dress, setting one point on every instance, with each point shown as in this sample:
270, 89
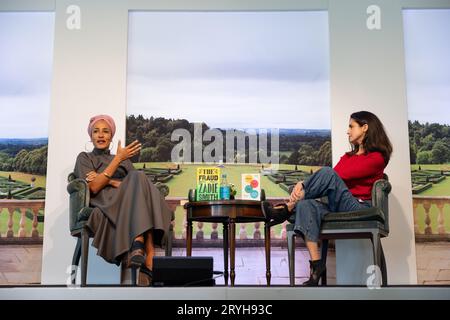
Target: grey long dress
121, 214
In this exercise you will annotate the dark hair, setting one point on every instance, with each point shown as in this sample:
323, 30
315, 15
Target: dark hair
376, 138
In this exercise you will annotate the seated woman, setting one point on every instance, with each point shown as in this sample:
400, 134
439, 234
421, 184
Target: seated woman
348, 187
130, 216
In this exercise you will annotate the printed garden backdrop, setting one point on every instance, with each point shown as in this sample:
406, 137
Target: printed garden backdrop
224, 71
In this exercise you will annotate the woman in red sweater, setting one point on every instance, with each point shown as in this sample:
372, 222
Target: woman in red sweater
348, 186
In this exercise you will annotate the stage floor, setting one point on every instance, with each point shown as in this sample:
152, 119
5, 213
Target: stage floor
21, 264
225, 293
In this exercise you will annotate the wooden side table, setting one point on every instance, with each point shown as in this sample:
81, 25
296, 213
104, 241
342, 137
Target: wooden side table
228, 212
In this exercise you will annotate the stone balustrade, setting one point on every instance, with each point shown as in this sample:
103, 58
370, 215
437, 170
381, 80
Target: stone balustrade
434, 218
22, 236
431, 213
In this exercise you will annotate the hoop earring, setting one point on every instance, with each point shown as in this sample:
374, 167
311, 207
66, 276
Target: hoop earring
89, 146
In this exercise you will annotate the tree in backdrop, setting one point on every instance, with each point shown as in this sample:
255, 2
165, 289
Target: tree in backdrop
429, 142
33, 161
155, 136
6, 162
324, 154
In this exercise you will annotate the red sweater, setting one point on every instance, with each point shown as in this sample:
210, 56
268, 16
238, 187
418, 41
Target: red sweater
359, 172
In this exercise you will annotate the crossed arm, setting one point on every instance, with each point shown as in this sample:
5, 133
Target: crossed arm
98, 180
92, 175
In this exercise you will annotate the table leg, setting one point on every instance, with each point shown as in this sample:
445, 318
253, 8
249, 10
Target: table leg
189, 238
232, 249
267, 244
225, 252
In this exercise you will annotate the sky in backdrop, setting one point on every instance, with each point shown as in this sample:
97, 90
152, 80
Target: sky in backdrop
231, 69
427, 60
26, 53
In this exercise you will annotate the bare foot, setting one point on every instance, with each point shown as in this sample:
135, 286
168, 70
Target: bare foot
297, 194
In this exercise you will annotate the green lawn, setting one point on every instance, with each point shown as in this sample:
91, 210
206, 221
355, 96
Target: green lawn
180, 184
4, 214
4, 217
445, 166
299, 167
438, 189
25, 177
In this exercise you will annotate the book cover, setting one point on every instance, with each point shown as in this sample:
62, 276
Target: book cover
208, 184
251, 186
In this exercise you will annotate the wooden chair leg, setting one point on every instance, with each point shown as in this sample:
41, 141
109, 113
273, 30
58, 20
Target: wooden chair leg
189, 239
383, 268
267, 252
76, 261
291, 256
225, 253
133, 276
169, 243
84, 255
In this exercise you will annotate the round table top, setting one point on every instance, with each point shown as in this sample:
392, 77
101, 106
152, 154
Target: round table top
236, 202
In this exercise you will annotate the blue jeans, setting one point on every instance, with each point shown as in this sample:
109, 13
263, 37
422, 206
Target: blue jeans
310, 212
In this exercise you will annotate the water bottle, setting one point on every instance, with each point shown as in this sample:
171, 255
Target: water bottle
224, 188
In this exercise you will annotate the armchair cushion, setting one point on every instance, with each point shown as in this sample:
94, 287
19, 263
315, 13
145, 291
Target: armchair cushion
370, 214
339, 225
360, 215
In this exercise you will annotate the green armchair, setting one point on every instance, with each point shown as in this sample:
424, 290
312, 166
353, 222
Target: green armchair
371, 223
79, 212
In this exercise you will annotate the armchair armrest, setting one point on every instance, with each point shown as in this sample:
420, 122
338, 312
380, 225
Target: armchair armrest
80, 188
78, 200
164, 189
192, 195
380, 191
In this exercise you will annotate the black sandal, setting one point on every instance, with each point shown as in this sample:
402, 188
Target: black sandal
145, 276
275, 214
137, 254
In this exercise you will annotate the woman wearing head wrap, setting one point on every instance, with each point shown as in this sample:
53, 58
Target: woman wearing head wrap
130, 216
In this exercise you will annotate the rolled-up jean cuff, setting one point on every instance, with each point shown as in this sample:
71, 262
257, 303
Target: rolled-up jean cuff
305, 235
